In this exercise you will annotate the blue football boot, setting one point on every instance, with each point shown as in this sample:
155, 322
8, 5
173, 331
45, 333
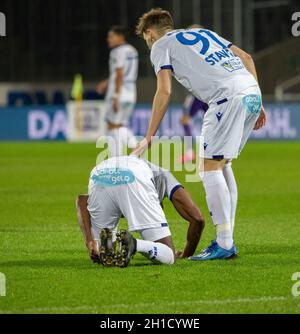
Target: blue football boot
214, 251
234, 248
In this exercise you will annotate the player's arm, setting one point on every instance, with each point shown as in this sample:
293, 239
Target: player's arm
85, 226
250, 66
118, 84
188, 210
102, 86
160, 102
159, 107
246, 59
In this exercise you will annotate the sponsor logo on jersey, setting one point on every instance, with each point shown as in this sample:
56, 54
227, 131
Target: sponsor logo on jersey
252, 103
232, 65
108, 177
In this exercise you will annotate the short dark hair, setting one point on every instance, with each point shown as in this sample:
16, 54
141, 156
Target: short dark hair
157, 18
119, 30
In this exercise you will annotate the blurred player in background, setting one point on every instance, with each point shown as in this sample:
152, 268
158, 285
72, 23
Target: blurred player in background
120, 90
191, 108
224, 76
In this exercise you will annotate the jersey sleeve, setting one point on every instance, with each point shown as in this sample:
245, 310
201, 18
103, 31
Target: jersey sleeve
172, 184
224, 41
160, 59
119, 58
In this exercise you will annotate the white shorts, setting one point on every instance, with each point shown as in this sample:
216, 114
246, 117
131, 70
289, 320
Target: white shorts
155, 234
150, 234
122, 115
123, 186
227, 124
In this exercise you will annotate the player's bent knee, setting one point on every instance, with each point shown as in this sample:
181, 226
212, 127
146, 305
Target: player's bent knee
165, 254
172, 258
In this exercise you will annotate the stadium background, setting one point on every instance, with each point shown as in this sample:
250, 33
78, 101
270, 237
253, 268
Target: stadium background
41, 249
47, 43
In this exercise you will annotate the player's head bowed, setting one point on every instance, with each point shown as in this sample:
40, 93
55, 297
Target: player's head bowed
154, 24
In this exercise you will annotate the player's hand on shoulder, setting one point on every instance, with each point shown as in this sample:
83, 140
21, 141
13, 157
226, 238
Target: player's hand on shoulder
262, 119
141, 147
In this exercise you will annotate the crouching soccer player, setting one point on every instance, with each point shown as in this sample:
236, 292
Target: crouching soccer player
134, 188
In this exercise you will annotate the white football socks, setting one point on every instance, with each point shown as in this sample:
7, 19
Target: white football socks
129, 138
232, 187
120, 137
155, 251
219, 205
115, 145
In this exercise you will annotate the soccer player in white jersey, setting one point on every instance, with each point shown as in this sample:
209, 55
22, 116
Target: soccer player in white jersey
120, 90
223, 76
134, 188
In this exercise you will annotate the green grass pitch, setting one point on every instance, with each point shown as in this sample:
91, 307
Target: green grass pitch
48, 271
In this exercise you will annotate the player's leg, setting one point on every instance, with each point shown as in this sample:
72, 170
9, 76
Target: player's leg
251, 102
120, 137
232, 188
252, 113
128, 137
115, 140
158, 251
115, 131
218, 200
157, 245
221, 135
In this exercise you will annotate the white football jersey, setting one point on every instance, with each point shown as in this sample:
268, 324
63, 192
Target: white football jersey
164, 181
124, 56
203, 63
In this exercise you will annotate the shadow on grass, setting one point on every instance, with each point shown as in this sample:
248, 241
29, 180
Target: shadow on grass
75, 263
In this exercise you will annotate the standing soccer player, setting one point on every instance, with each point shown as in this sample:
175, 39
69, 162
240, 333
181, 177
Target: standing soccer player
223, 76
120, 90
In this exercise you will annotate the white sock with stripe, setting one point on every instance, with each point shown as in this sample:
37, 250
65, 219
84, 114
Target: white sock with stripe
232, 187
155, 251
218, 202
